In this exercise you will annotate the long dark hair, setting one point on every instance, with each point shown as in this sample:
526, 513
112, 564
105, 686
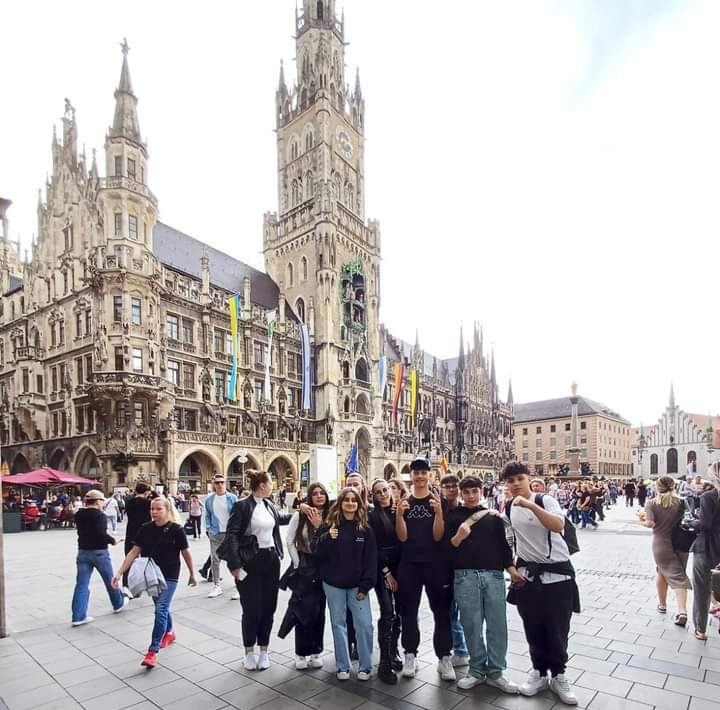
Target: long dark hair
302, 519
336, 515
385, 514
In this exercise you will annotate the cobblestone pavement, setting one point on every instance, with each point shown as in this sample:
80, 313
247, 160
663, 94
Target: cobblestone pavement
624, 656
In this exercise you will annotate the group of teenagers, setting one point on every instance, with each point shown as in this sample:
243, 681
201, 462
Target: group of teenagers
393, 543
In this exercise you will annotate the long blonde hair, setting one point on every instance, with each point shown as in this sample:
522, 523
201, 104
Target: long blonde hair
666, 496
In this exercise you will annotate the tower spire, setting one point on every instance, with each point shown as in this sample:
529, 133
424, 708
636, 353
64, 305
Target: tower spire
461, 355
125, 121
672, 396
510, 400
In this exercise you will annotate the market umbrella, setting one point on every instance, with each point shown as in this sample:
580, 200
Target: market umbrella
47, 477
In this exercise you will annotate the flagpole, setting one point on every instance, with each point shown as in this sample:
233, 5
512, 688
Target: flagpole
3, 620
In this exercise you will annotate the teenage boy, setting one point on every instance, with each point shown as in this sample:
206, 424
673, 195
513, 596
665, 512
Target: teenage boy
420, 526
479, 552
217, 513
548, 597
450, 492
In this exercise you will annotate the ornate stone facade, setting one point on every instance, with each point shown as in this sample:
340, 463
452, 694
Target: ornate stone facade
114, 335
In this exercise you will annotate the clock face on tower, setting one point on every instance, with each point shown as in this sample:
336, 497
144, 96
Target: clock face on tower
344, 144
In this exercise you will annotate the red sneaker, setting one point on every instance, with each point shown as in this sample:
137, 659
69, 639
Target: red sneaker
150, 660
167, 639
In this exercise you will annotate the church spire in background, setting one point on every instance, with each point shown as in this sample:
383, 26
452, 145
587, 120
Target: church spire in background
125, 121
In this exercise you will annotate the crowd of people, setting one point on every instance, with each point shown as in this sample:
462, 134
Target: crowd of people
459, 542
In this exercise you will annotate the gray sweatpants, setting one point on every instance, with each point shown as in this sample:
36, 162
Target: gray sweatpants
702, 569
215, 542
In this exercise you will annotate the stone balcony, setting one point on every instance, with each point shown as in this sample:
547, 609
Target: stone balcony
119, 381
121, 182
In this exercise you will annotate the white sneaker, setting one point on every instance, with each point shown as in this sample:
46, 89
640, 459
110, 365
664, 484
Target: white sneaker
250, 663
216, 591
126, 601
126, 591
263, 661
504, 684
459, 660
315, 661
445, 668
235, 595
82, 622
533, 684
561, 687
469, 681
410, 666
363, 675
343, 675
301, 663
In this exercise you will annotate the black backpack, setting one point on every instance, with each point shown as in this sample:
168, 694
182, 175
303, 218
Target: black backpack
569, 533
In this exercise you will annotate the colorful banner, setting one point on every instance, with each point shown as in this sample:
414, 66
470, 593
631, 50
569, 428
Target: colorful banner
399, 373
382, 376
352, 463
235, 306
271, 319
307, 367
413, 393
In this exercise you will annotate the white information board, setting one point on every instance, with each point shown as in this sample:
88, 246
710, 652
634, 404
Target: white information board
324, 467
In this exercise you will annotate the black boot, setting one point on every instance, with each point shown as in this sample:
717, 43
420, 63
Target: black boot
385, 669
396, 661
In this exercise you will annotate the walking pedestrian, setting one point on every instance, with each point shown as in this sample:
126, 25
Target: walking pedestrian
629, 494
479, 552
706, 551
549, 596
382, 522
254, 550
307, 603
137, 511
218, 506
662, 514
112, 511
347, 550
420, 527
642, 493
195, 510
93, 541
164, 541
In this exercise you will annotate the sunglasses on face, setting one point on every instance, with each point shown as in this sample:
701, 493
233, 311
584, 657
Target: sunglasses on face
382, 491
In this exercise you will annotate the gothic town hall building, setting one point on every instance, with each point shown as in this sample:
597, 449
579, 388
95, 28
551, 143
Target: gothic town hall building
115, 344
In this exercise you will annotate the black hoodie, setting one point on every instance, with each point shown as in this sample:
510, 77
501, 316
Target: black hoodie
348, 561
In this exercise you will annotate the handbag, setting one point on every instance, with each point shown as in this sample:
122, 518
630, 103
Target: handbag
683, 536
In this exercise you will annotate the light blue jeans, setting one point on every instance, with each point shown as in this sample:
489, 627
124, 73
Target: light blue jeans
480, 595
87, 561
458, 635
163, 620
339, 601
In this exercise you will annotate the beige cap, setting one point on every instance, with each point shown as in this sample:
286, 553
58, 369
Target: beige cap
94, 494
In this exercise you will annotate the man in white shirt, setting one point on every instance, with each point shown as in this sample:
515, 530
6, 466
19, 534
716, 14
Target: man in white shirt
217, 513
548, 598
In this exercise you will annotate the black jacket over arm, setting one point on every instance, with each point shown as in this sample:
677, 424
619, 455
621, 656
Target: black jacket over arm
707, 526
237, 529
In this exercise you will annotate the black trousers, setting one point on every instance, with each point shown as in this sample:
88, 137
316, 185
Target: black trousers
258, 597
195, 520
546, 610
128, 547
309, 640
629, 501
412, 577
389, 620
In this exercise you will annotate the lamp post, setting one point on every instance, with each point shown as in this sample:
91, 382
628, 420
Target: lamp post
641, 448
3, 620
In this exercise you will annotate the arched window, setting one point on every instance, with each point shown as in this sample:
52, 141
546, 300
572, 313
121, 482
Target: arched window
362, 406
653, 464
290, 280
320, 10
309, 138
293, 150
304, 268
300, 308
361, 370
308, 185
346, 370
672, 461
692, 461
346, 404
295, 193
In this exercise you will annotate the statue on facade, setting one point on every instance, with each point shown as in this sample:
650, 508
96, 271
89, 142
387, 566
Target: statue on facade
100, 346
329, 429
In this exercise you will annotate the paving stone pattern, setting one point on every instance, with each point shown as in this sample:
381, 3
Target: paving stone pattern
624, 656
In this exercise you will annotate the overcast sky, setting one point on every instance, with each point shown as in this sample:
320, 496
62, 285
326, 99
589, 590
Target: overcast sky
549, 168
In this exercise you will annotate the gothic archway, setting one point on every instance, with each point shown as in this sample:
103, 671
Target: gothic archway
389, 472
362, 404
86, 463
197, 470
653, 464
691, 462
361, 370
236, 471
19, 465
59, 460
672, 460
282, 472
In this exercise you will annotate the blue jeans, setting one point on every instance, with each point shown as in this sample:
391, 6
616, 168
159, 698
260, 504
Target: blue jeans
480, 595
458, 635
87, 561
163, 620
339, 601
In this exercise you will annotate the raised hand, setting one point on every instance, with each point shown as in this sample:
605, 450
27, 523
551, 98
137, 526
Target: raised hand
314, 517
334, 532
435, 503
402, 506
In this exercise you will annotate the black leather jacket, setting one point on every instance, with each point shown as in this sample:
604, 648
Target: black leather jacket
237, 528
707, 526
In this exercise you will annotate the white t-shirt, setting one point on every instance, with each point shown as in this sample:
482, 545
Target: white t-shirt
531, 538
262, 524
221, 512
111, 507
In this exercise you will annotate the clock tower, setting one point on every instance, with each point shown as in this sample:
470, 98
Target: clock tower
318, 247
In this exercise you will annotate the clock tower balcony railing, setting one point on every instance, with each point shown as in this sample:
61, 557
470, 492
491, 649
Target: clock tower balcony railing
121, 182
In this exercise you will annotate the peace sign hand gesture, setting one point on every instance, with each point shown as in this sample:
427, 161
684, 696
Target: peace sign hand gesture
435, 503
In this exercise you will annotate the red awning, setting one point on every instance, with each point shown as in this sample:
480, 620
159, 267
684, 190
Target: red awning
47, 477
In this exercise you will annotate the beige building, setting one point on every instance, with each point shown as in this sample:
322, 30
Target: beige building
115, 347
543, 435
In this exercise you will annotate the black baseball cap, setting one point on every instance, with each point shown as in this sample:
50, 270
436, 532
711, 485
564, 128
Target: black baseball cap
420, 464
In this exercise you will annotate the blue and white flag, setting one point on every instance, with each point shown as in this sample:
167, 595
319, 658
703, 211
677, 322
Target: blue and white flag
352, 462
307, 367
